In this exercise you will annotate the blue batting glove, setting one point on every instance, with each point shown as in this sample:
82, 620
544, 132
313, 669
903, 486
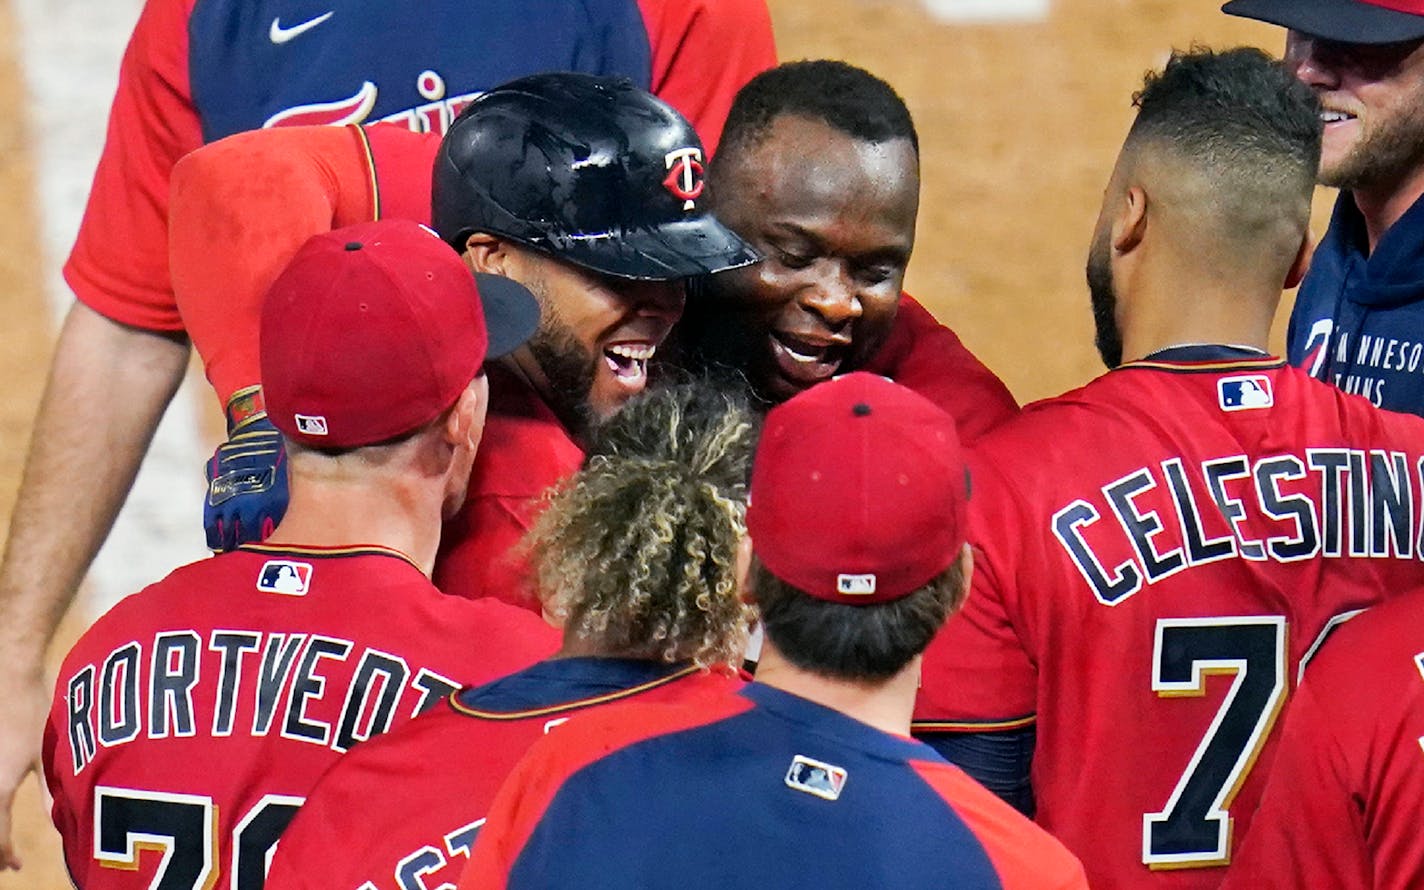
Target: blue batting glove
247, 478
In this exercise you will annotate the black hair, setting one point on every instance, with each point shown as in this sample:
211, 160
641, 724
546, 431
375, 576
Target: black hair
851, 642
1237, 112
846, 98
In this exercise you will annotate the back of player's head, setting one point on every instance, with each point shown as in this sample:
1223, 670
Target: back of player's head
589, 169
1237, 136
857, 520
372, 331
840, 95
638, 551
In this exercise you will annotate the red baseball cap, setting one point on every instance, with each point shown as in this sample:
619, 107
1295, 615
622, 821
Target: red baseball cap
858, 491
1343, 21
372, 330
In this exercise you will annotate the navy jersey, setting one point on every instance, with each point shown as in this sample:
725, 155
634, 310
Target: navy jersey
762, 788
448, 765
267, 62
1359, 316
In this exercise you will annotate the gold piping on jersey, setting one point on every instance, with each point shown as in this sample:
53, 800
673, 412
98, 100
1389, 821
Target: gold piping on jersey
319, 552
570, 705
373, 183
973, 725
1265, 363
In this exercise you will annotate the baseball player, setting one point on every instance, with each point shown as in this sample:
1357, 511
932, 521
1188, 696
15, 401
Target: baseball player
260, 191
603, 222
819, 170
1358, 319
191, 719
1204, 510
637, 560
1346, 794
198, 70
807, 778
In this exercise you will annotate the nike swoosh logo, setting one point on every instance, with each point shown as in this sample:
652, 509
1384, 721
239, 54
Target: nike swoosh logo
280, 35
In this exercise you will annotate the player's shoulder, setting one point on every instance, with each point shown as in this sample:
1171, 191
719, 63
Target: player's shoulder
1023, 854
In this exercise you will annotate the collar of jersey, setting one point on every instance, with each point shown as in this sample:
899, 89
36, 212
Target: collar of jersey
544, 688
835, 726
314, 551
1206, 357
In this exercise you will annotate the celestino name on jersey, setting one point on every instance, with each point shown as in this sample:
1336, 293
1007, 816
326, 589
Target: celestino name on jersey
1164, 518
312, 688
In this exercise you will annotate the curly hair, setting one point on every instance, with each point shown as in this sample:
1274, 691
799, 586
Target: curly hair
638, 550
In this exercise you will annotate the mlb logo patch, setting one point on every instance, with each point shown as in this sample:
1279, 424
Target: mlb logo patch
284, 576
814, 777
1244, 393
311, 424
855, 585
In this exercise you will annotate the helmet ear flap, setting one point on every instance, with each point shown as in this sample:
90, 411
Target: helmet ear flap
592, 170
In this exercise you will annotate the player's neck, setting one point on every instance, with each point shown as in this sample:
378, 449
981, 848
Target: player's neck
887, 706
374, 511
1382, 207
1203, 313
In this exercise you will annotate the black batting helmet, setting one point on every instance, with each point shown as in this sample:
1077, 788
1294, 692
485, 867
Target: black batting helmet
589, 169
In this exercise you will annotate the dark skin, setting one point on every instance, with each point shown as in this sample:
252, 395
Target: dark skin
835, 218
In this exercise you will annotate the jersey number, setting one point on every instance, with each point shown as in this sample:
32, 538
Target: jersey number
182, 827
1194, 829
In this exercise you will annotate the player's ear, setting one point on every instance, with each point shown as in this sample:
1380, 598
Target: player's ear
486, 253
965, 564
1302, 260
1130, 224
465, 423
744, 569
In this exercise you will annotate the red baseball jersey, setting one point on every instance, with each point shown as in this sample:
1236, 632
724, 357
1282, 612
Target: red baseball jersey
1345, 801
757, 789
1155, 555
199, 70
448, 765
191, 720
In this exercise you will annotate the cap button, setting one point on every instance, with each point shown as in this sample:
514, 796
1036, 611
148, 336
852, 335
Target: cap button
354, 245
860, 409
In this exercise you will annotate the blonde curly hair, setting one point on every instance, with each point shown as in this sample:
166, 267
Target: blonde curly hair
638, 550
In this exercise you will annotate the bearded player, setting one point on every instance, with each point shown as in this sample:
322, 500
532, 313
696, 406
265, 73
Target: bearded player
637, 559
199, 70
1204, 510
586, 189
260, 191
191, 719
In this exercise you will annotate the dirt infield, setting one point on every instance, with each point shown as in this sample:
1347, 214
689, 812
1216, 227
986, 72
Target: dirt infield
1019, 124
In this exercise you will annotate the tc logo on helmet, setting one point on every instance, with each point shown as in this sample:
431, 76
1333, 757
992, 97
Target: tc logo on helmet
684, 177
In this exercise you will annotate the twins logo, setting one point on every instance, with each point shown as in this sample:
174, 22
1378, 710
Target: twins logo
1245, 392
434, 116
284, 576
684, 177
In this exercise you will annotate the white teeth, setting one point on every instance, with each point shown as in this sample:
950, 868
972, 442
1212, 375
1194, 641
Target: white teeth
801, 357
1331, 117
632, 352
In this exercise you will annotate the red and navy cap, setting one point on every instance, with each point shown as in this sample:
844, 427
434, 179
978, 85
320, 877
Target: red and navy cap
858, 491
372, 330
1343, 21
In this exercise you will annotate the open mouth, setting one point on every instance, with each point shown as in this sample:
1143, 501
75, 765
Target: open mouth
629, 362
805, 360
1332, 116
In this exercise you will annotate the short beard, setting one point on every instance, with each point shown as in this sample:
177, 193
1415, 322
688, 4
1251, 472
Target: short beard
1383, 157
569, 368
1104, 300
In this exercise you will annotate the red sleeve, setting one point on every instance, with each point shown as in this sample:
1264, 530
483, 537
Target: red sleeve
242, 206
977, 675
119, 264
481, 552
1025, 856
703, 52
1309, 830
929, 358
